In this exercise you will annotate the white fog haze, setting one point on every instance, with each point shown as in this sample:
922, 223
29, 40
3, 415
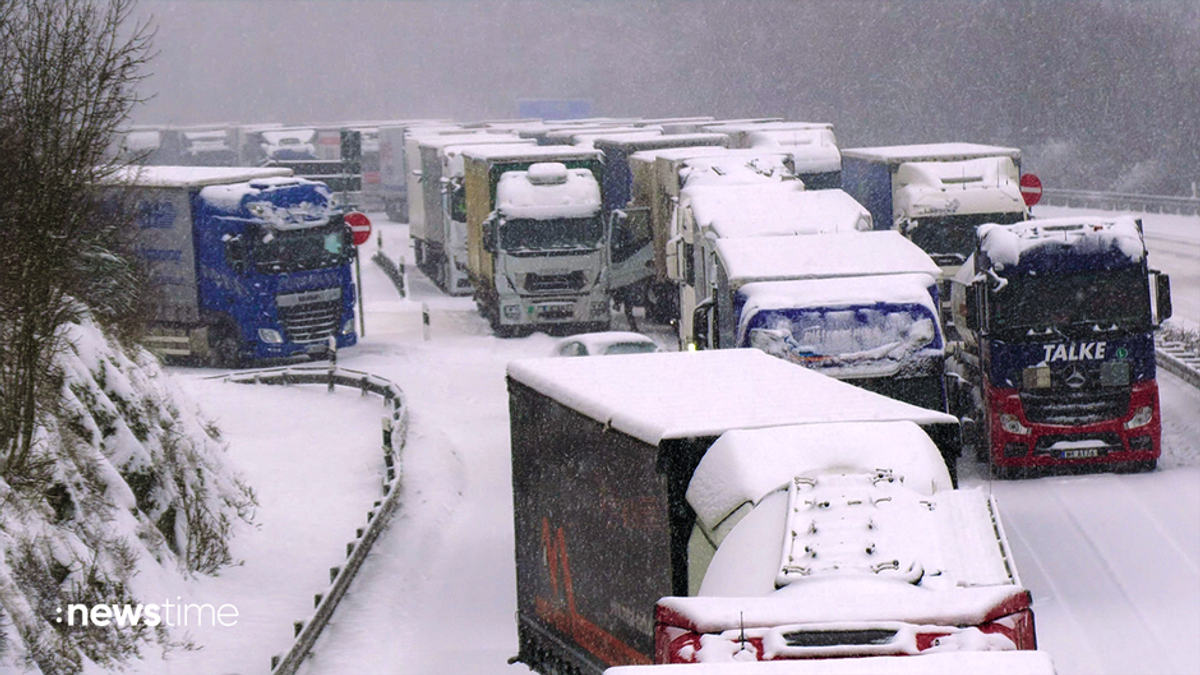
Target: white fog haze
1099, 95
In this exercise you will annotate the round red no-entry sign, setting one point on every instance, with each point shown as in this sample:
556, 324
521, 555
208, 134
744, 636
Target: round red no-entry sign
360, 227
1031, 189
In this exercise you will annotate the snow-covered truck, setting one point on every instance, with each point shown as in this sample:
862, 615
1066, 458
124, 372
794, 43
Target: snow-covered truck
535, 238
813, 147
659, 177
645, 217
858, 306
723, 207
395, 165
649, 500
630, 240
248, 263
443, 238
937, 194
1056, 366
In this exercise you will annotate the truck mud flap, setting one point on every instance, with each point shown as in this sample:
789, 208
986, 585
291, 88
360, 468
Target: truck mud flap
547, 652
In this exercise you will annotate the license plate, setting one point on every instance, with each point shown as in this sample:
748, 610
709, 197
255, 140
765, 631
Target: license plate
1081, 453
316, 348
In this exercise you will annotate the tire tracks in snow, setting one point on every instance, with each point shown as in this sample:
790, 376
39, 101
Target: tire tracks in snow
1102, 603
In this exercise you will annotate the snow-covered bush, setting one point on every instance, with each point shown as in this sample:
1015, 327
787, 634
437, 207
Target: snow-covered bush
128, 479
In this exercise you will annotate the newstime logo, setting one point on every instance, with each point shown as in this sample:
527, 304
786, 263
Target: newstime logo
167, 614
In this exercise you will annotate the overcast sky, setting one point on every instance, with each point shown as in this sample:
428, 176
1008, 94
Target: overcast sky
1016, 72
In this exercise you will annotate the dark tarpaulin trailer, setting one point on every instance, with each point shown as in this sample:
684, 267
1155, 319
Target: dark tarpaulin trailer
603, 449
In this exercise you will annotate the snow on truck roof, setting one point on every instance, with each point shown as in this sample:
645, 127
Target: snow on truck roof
675, 154
475, 138
667, 395
639, 143
518, 153
740, 165
772, 208
193, 176
930, 152
548, 190
1025, 662
744, 465
1006, 245
834, 254
895, 289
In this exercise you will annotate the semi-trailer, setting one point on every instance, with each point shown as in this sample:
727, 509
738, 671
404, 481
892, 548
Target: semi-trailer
247, 263
724, 504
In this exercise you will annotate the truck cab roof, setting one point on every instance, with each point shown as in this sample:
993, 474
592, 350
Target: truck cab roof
548, 190
839, 254
1047, 243
193, 176
517, 153
631, 143
930, 152
771, 208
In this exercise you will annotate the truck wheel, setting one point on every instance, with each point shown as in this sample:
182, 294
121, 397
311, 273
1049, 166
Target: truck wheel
223, 348
443, 275
393, 213
1137, 467
498, 329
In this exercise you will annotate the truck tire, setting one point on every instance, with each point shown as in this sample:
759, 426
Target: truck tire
390, 208
223, 347
660, 304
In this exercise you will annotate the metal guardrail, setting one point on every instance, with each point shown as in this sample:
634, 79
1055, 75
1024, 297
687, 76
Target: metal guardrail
1112, 201
395, 272
395, 427
1176, 359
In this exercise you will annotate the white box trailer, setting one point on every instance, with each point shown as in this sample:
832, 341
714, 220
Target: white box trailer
443, 239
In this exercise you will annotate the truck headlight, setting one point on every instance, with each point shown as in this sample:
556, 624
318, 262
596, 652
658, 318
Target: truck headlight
512, 311
1141, 418
600, 308
1011, 424
348, 326
270, 336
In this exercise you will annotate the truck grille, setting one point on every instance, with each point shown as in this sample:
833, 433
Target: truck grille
311, 322
1075, 407
554, 283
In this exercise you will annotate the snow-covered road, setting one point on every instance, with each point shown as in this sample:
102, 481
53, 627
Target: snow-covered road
1113, 561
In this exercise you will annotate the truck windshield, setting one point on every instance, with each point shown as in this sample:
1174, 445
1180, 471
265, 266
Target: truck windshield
302, 249
526, 234
949, 239
870, 338
1087, 301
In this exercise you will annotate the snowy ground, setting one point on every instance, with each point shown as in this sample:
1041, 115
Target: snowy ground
1113, 560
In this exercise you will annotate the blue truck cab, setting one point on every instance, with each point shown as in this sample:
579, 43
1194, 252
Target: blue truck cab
248, 264
1057, 361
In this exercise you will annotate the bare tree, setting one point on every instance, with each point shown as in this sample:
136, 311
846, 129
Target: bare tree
69, 71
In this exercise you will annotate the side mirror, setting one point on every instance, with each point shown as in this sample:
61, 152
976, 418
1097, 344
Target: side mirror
972, 307
489, 235
236, 253
701, 318
1162, 297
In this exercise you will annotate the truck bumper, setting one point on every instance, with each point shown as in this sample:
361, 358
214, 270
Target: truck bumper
532, 311
1135, 437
